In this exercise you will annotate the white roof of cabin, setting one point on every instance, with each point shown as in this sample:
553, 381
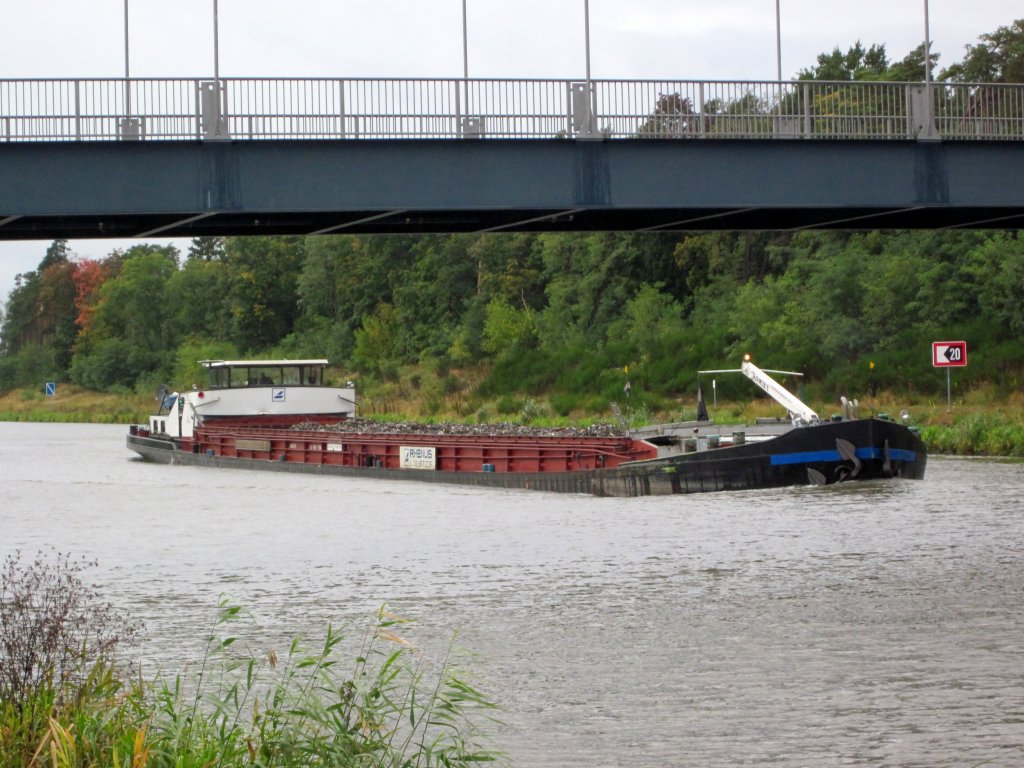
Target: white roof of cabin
260, 363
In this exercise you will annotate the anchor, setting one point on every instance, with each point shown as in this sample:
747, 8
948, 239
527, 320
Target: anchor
848, 452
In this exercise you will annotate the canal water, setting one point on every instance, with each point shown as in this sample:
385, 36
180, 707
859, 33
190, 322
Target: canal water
869, 624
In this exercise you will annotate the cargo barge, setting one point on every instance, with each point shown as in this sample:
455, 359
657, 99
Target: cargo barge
278, 415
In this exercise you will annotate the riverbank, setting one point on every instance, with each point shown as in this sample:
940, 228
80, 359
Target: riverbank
980, 424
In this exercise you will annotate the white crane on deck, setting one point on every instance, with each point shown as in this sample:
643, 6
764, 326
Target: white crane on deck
798, 410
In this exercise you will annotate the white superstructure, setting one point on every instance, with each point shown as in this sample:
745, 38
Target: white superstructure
254, 388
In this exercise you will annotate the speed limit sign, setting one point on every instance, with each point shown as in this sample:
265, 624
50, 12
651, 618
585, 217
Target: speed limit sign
949, 354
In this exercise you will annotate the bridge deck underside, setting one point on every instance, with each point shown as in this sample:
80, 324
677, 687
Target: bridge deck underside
189, 189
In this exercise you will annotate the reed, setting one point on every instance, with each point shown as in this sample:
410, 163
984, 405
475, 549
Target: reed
381, 704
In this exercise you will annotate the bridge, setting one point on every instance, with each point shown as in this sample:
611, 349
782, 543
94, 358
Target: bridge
187, 157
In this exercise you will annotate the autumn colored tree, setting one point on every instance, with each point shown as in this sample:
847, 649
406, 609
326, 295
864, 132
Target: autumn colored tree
39, 326
89, 277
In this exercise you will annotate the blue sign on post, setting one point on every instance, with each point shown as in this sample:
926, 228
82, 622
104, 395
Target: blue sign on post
51, 388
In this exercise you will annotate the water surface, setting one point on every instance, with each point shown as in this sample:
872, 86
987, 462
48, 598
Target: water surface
870, 624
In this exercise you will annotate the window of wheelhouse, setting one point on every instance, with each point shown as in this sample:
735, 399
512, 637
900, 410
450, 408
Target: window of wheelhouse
311, 375
291, 375
220, 377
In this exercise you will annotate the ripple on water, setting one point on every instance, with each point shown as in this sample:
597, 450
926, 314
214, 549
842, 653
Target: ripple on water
874, 623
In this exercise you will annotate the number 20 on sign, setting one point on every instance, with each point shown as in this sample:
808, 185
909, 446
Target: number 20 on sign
949, 354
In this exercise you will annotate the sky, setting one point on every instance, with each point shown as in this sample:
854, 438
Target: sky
635, 39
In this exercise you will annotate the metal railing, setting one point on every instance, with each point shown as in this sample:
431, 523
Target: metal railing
316, 108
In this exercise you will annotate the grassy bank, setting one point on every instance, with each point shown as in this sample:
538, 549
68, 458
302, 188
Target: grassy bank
981, 423
73, 404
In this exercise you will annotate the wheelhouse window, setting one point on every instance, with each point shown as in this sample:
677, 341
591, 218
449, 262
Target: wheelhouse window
281, 375
311, 375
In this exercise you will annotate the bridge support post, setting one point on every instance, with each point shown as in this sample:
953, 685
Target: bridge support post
583, 111
212, 102
129, 129
920, 114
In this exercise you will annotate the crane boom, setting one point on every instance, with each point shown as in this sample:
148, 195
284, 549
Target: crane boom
799, 410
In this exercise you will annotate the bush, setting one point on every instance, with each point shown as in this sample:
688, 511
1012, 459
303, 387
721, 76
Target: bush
508, 405
564, 404
57, 652
53, 628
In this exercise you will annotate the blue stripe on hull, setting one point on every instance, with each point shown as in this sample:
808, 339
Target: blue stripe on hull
815, 457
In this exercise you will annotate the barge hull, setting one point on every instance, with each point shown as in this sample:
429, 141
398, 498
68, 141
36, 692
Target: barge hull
823, 454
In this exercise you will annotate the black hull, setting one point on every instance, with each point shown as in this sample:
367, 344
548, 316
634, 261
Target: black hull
866, 449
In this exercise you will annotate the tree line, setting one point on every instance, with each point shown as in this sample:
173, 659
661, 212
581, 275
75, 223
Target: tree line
563, 315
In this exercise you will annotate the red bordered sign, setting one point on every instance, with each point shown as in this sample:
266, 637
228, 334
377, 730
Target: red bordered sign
949, 354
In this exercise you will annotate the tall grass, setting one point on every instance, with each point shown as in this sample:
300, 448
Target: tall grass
383, 704
976, 435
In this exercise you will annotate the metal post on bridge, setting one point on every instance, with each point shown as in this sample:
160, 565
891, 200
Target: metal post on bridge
469, 126
128, 127
925, 126
582, 101
212, 97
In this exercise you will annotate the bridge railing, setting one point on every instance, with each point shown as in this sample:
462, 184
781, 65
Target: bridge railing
324, 108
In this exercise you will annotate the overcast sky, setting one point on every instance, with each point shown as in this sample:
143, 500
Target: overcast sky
669, 39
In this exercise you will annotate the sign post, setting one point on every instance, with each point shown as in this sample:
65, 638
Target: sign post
949, 354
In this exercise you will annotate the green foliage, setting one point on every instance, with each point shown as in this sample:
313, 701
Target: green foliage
206, 249
506, 328
262, 278
388, 706
111, 362
857, 63
555, 316
188, 356
872, 64
197, 298
379, 342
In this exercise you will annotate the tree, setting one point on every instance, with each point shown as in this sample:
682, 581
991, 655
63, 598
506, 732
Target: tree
90, 275
857, 63
261, 289
41, 316
673, 115
197, 296
432, 294
998, 58
132, 331
57, 253
206, 249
